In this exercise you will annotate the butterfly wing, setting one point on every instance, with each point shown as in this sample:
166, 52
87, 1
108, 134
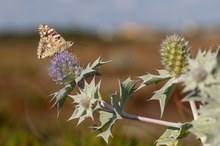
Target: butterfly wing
51, 42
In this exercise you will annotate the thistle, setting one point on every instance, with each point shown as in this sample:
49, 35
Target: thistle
62, 65
175, 54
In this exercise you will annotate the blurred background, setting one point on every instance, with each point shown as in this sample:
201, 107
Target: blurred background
128, 32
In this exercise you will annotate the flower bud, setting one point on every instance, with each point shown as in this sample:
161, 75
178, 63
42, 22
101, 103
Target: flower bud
175, 54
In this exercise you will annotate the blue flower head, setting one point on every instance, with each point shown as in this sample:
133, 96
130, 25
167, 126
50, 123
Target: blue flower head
63, 65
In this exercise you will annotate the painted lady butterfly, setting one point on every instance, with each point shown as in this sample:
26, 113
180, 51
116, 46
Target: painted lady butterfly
51, 42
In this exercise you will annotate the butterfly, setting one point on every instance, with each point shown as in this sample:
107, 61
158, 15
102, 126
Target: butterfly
50, 42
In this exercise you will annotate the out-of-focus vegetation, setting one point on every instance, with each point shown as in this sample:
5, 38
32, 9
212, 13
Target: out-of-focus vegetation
25, 114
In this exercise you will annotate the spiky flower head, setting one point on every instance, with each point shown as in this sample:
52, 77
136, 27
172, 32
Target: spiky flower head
200, 73
63, 65
175, 53
87, 101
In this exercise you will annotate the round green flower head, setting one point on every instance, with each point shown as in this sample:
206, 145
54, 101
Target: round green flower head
175, 54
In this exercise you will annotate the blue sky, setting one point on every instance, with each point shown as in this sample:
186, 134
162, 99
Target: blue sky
21, 15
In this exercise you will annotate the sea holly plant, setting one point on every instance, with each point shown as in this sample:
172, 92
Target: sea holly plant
66, 70
203, 85
87, 101
199, 77
175, 55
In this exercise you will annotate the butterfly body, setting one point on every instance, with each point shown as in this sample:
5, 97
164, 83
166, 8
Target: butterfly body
50, 42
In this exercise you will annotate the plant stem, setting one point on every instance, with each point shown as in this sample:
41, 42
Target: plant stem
151, 120
195, 116
194, 109
110, 108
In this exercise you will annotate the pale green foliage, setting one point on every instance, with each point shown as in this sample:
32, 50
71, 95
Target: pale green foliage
206, 90
201, 69
61, 95
171, 136
202, 125
150, 78
108, 119
163, 94
126, 90
91, 69
87, 101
